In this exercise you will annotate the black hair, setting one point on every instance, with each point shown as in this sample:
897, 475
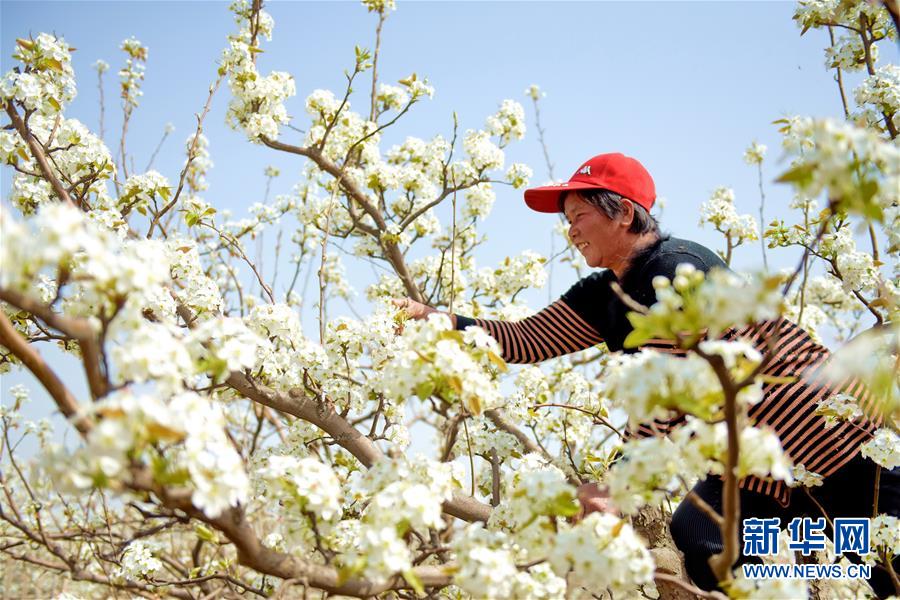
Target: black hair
611, 204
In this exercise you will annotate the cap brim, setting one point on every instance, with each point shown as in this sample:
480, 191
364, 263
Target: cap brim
545, 199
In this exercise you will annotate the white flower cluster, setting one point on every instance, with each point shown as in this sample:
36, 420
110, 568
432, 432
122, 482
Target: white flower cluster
103, 270
391, 97
805, 478
141, 190
884, 448
484, 155
200, 165
45, 82
650, 384
480, 200
761, 453
825, 301
487, 568
602, 553
197, 291
535, 489
402, 495
129, 429
857, 269
339, 371
648, 471
838, 408
508, 123
655, 466
486, 563
694, 304
131, 75
720, 211
859, 170
755, 154
224, 344
879, 96
847, 52
138, 562
257, 103
415, 166
885, 537
518, 175
513, 275
153, 352
343, 131
78, 155
310, 485
435, 360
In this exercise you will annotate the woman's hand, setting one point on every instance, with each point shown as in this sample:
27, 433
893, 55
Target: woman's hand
415, 310
594, 498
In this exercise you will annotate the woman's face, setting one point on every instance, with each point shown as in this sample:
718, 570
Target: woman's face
603, 242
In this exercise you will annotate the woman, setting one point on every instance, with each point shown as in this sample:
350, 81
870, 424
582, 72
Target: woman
607, 203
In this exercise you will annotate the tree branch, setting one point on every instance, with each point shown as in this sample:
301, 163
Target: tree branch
38, 153
30, 357
79, 329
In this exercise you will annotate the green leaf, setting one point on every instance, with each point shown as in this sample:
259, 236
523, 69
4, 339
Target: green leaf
453, 334
801, 175
455, 383
54, 103
54, 64
565, 505
413, 580
499, 362
349, 570
27, 44
425, 389
473, 404
206, 534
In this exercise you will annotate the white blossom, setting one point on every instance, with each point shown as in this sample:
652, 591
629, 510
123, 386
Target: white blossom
138, 562
884, 448
602, 552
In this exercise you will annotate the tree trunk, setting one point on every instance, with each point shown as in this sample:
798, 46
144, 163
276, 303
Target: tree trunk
653, 524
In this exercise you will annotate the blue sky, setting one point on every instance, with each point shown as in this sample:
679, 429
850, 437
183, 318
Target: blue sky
683, 86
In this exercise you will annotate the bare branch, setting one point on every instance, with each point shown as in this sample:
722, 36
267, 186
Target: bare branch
190, 158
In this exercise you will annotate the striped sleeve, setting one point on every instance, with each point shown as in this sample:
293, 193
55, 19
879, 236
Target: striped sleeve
555, 331
789, 407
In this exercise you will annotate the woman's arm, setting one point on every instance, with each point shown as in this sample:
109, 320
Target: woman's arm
554, 331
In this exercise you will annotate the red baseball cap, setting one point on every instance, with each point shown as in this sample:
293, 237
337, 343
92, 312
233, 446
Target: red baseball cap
614, 172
